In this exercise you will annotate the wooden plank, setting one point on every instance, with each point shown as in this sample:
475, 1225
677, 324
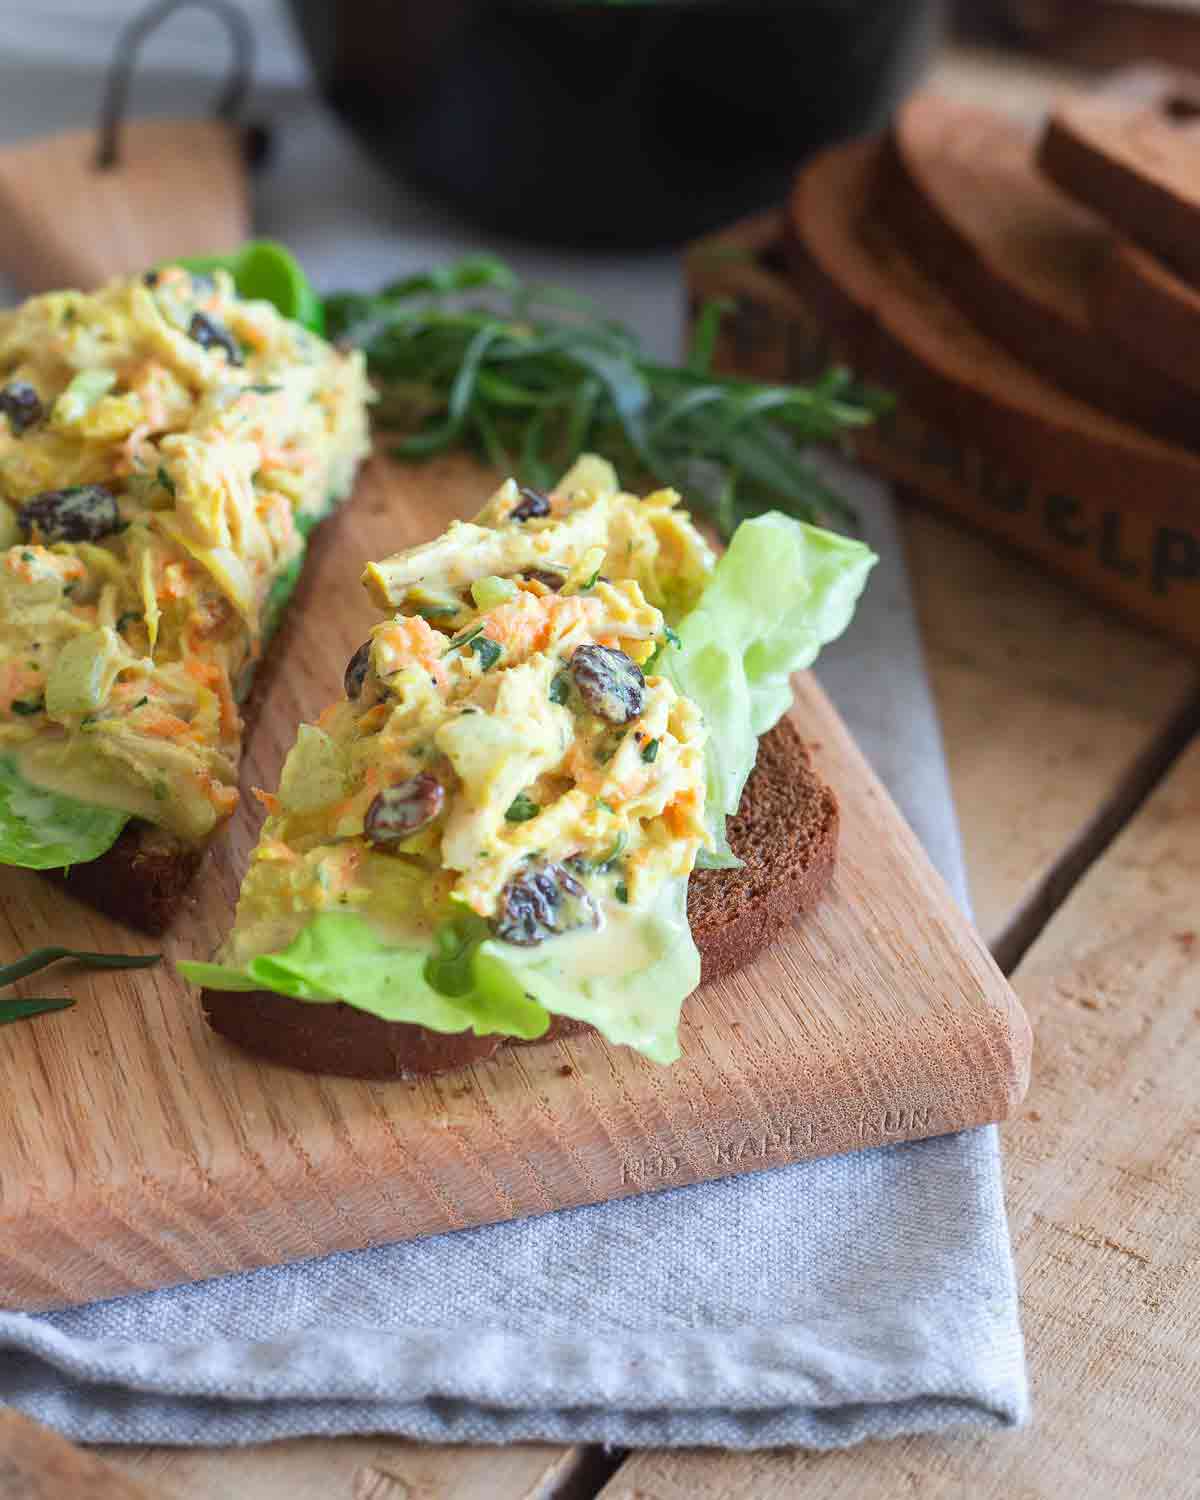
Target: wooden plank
1103, 1179
37, 1464
354, 1469
1046, 746
229, 1163
69, 223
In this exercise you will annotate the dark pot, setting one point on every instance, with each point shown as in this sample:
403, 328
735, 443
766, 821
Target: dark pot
618, 124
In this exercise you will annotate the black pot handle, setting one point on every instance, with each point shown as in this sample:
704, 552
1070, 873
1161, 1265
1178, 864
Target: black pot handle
120, 74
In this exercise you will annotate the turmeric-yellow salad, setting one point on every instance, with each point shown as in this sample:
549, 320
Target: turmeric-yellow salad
165, 447
497, 820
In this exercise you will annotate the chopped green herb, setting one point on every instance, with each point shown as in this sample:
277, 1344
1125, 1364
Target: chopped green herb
437, 611
166, 481
607, 806
560, 687
530, 377
141, 703
463, 640
650, 751
671, 636
621, 892
591, 583
488, 651
263, 390
613, 854
27, 706
21, 1010
26, 556
41, 958
521, 809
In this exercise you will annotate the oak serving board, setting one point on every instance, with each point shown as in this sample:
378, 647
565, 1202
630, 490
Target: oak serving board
137, 1149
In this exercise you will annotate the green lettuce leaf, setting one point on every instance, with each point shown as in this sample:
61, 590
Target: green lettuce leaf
42, 830
266, 271
468, 981
782, 590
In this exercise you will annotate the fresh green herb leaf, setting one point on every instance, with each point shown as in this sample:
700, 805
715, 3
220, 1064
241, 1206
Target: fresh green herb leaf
437, 611
607, 806
167, 483
263, 390
650, 751
463, 640
528, 376
23, 1009
621, 892
521, 809
28, 706
672, 637
614, 854
560, 687
41, 958
488, 651
142, 701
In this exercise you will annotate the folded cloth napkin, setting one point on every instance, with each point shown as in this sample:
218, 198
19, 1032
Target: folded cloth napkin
861, 1296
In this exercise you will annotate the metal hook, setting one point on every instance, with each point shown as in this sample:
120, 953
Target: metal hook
120, 74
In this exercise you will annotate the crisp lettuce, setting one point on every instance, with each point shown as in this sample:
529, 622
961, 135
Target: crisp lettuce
782, 590
469, 981
42, 830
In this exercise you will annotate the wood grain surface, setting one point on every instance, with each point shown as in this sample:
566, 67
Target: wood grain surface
179, 188
1133, 155
878, 1017
37, 1464
958, 185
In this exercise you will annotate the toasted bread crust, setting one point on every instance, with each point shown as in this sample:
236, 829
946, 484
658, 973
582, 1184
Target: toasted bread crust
140, 881
786, 834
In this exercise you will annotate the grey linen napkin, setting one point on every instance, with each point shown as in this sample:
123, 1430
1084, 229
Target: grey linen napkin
862, 1296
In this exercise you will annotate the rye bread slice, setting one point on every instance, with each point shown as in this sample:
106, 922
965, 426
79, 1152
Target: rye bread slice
785, 832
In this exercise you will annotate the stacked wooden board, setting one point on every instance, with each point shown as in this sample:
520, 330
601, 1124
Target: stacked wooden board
1046, 368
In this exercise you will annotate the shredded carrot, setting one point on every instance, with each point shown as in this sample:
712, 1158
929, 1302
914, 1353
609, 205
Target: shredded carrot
165, 726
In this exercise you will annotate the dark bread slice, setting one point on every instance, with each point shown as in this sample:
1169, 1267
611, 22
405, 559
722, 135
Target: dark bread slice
785, 832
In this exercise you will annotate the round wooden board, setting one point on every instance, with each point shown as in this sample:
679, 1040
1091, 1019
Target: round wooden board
1150, 311
1133, 155
901, 328
960, 188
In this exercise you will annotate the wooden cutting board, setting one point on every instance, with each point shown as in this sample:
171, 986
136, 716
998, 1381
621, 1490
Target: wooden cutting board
959, 186
137, 1149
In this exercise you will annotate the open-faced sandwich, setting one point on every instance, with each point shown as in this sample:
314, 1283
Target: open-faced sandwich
165, 447
491, 837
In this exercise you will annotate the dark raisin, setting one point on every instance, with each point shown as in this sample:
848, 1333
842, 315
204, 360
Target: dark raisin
210, 334
356, 670
540, 902
531, 504
609, 682
21, 404
548, 580
82, 513
404, 809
